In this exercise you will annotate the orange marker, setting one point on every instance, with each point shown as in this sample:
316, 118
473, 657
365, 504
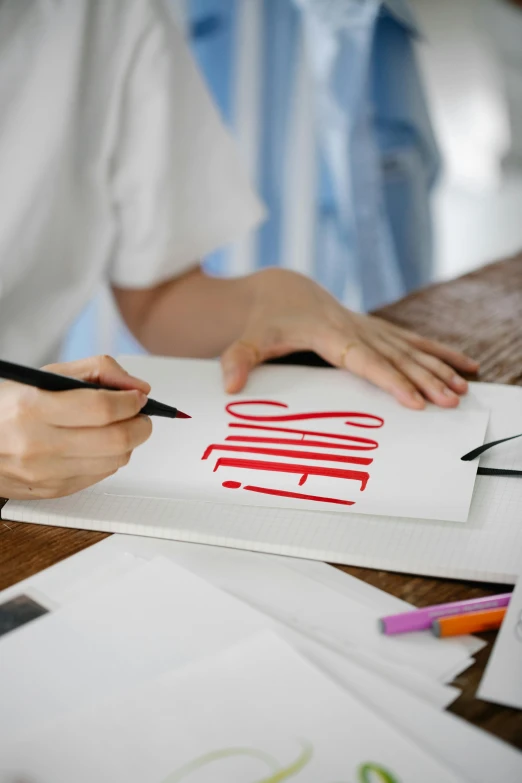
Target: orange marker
473, 622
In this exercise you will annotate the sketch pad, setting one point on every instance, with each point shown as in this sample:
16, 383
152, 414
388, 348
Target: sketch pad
487, 547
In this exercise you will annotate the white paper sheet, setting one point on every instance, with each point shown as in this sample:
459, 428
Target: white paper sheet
310, 608
103, 574
258, 712
502, 680
312, 434
441, 734
94, 566
165, 615
363, 592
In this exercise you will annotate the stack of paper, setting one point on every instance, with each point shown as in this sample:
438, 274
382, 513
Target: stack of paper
316, 464
159, 661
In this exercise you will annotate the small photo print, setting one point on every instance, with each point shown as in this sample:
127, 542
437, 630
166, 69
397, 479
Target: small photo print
19, 611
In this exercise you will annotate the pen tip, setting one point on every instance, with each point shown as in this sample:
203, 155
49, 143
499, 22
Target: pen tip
181, 415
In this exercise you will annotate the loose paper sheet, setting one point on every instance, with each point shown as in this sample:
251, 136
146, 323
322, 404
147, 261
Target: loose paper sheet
439, 733
318, 612
257, 712
502, 680
366, 594
165, 615
303, 438
231, 570
265, 583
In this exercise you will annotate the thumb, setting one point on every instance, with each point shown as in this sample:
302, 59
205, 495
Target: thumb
237, 362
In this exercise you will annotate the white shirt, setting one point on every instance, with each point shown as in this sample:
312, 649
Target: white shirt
113, 162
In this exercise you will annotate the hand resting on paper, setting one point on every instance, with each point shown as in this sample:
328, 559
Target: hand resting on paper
293, 313
56, 443
276, 312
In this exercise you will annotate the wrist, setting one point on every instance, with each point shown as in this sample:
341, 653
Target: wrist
247, 292
259, 285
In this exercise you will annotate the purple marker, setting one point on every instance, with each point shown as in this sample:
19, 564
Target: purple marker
422, 619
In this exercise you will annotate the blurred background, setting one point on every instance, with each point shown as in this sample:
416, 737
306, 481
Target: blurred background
472, 65
445, 92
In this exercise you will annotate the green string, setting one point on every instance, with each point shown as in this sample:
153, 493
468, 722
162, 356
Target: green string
277, 775
293, 769
365, 773
217, 755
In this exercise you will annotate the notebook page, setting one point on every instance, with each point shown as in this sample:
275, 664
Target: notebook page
487, 547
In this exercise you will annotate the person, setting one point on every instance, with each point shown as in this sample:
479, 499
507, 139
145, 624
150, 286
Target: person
327, 104
114, 165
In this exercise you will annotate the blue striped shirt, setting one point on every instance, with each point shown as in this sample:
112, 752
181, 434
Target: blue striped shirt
344, 155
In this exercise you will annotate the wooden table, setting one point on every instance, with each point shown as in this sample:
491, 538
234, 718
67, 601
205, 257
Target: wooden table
480, 313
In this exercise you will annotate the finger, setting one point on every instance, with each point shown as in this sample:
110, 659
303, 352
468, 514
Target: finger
71, 486
83, 482
237, 362
86, 407
362, 360
54, 488
432, 387
456, 359
57, 470
112, 440
91, 466
100, 369
437, 367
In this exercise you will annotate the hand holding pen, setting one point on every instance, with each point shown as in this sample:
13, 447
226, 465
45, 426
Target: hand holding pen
56, 444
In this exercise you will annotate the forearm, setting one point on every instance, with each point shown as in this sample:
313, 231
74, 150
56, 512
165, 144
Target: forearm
193, 315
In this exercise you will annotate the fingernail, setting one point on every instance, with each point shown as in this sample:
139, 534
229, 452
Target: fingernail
409, 397
142, 399
460, 382
229, 376
449, 394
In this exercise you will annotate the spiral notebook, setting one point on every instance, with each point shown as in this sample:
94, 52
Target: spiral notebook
487, 547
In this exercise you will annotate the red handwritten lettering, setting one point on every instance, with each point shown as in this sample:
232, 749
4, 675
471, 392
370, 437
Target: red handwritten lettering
365, 443
283, 494
287, 453
352, 416
322, 444
304, 470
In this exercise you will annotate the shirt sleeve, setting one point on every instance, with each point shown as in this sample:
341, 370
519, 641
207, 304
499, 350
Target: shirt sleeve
178, 188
